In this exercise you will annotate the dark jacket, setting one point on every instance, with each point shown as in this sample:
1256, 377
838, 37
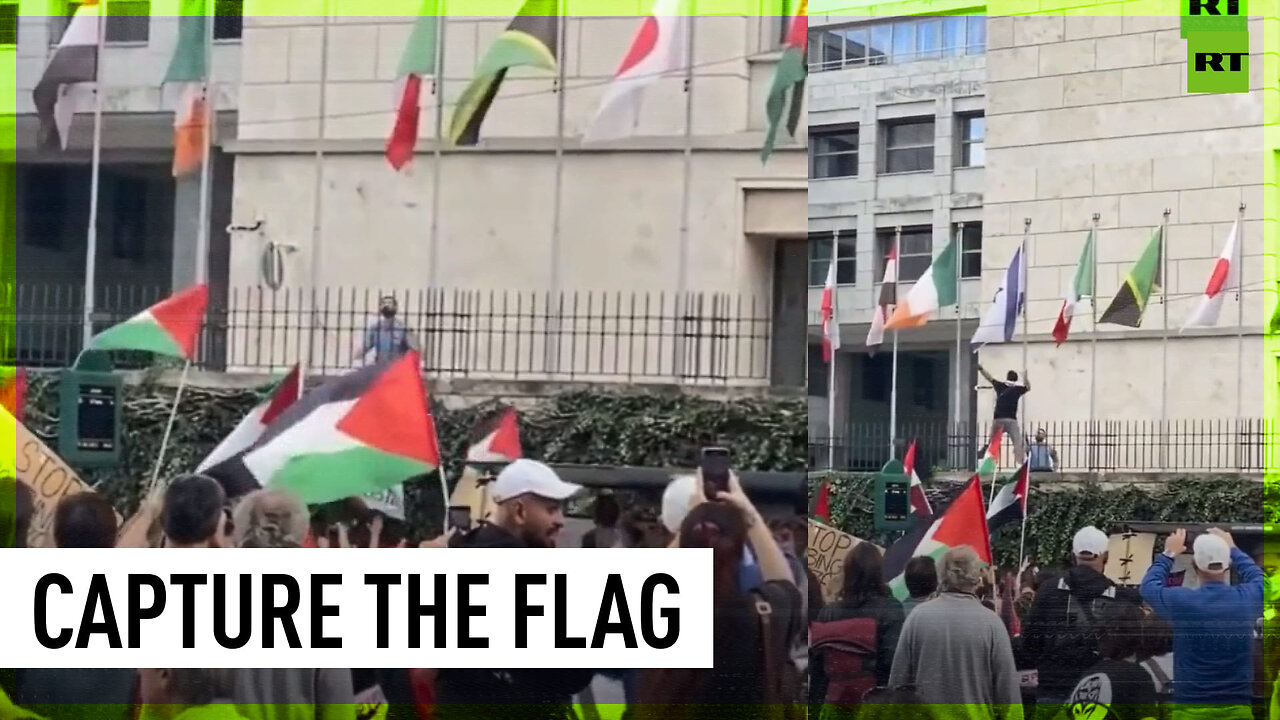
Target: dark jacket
496, 694
1050, 625
63, 694
889, 616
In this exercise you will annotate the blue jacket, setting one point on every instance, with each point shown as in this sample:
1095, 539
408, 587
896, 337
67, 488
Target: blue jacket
1213, 628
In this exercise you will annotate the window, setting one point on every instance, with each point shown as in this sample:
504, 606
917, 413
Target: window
833, 152
970, 234
228, 19
953, 44
42, 195
924, 372
972, 132
8, 23
976, 42
915, 250
877, 377
898, 41
908, 145
128, 21
820, 257
128, 217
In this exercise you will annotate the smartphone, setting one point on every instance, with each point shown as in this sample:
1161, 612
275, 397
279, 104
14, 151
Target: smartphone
715, 471
460, 517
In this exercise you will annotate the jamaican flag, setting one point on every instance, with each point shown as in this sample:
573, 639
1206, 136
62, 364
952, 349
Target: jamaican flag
531, 40
1131, 301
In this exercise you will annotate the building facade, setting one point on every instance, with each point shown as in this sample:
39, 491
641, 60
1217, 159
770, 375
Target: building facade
672, 255
1076, 116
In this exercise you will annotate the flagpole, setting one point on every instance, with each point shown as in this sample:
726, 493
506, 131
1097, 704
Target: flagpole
959, 240
553, 319
202, 232
893, 392
317, 224
1164, 342
168, 428
1238, 262
1093, 341
1022, 541
91, 239
831, 394
437, 152
686, 200
1026, 339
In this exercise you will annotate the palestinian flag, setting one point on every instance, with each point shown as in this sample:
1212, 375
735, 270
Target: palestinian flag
1010, 504
1082, 285
13, 391
657, 50
963, 522
189, 66
169, 327
822, 508
419, 60
888, 299
496, 439
990, 457
788, 81
935, 289
1225, 278
362, 433
1131, 301
74, 61
254, 424
531, 40
919, 501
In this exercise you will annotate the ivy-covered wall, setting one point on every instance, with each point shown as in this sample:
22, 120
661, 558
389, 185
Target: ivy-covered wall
589, 428
1055, 515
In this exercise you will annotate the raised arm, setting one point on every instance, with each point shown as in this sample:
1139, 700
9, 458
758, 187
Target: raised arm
1026, 380
986, 375
1159, 597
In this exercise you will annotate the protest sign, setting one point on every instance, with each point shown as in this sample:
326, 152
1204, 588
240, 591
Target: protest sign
1129, 555
469, 492
49, 477
828, 548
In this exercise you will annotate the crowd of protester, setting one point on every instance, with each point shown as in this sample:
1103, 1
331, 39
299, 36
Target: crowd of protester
1064, 643
759, 592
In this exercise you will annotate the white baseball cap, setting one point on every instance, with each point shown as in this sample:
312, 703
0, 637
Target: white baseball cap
1090, 541
530, 477
1212, 553
675, 501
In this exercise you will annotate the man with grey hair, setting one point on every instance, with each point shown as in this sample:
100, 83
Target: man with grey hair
955, 652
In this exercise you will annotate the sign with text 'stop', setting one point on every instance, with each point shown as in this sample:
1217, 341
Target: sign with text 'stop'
1217, 35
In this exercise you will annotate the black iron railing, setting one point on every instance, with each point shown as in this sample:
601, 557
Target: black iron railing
595, 336
1225, 445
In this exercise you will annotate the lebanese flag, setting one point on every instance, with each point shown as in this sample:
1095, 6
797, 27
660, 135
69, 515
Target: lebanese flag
657, 50
888, 299
919, 501
963, 522
74, 61
1010, 504
170, 327
13, 392
822, 508
830, 324
245, 434
1225, 278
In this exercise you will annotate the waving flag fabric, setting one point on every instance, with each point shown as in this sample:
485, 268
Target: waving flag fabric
1224, 278
170, 327
251, 428
935, 289
963, 522
888, 299
1082, 285
74, 61
1010, 504
659, 49
1130, 303
787, 91
1001, 321
919, 501
417, 61
830, 316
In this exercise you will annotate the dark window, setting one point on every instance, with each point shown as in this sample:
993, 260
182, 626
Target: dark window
970, 234
923, 385
973, 135
818, 371
129, 217
228, 20
877, 376
820, 257
42, 197
128, 21
908, 145
8, 23
915, 250
833, 152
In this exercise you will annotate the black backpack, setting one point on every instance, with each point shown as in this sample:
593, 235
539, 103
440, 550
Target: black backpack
1075, 644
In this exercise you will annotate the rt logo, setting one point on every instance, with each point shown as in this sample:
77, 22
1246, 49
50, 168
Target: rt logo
1217, 35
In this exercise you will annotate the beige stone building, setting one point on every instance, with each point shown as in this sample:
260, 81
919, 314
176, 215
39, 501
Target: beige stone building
1079, 116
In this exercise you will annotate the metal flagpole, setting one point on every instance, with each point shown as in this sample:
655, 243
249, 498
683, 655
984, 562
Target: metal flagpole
317, 225
831, 388
437, 152
893, 392
1164, 342
553, 319
206, 172
91, 238
1093, 341
686, 201
168, 428
1026, 338
1238, 262
959, 240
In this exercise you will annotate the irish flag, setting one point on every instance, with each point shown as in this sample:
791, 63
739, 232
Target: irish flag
254, 424
919, 501
362, 433
1224, 278
1081, 286
657, 50
935, 289
787, 90
963, 522
419, 60
169, 327
189, 67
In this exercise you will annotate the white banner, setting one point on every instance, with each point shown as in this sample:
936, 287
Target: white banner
285, 608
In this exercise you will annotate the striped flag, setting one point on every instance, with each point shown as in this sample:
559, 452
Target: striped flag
189, 66
919, 501
1001, 321
935, 289
657, 50
990, 458
74, 61
1082, 284
963, 522
888, 299
1010, 504
830, 321
251, 428
170, 327
418, 60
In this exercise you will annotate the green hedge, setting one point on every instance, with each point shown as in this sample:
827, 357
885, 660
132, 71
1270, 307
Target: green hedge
590, 428
1055, 515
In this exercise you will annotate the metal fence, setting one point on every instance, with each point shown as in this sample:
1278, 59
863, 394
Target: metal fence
501, 335
1230, 445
